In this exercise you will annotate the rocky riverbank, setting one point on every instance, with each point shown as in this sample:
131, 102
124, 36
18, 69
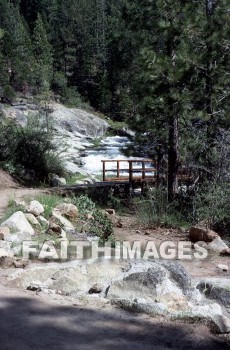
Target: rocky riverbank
74, 129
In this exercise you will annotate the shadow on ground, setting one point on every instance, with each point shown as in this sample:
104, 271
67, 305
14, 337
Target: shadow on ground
27, 323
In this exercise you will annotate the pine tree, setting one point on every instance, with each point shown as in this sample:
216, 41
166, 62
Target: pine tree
43, 57
209, 57
4, 80
16, 47
173, 72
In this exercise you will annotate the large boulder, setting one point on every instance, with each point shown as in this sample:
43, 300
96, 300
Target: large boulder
164, 289
18, 223
12, 113
154, 283
62, 181
18, 237
74, 131
32, 219
154, 287
78, 121
56, 181
225, 252
217, 289
74, 277
57, 218
72, 168
197, 234
3, 232
217, 245
35, 208
68, 210
5, 250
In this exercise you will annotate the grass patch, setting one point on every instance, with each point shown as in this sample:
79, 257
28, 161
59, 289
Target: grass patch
71, 180
12, 208
49, 201
152, 212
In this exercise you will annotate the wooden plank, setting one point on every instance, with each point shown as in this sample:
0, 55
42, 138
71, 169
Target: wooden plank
140, 160
128, 160
103, 171
135, 170
130, 171
134, 179
118, 168
143, 170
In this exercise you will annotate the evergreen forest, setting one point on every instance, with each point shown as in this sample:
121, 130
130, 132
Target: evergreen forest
162, 66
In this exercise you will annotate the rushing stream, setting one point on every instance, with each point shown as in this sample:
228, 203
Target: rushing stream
111, 148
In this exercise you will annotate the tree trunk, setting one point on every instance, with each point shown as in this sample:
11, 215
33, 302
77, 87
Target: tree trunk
173, 158
159, 166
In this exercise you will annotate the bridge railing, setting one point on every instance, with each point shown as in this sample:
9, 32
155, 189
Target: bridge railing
136, 170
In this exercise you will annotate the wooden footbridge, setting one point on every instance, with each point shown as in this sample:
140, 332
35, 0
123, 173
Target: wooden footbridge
119, 177
138, 172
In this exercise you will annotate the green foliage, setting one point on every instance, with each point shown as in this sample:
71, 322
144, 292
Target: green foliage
101, 226
212, 206
67, 94
84, 204
116, 203
150, 63
43, 57
73, 178
8, 93
156, 210
71, 97
30, 148
49, 201
16, 48
11, 168
8, 141
59, 83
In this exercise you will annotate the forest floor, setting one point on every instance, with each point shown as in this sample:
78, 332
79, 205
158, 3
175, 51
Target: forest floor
35, 320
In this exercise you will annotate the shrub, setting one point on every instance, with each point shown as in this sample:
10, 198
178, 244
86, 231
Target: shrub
84, 204
67, 94
156, 210
31, 148
8, 141
59, 82
101, 226
8, 93
211, 204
